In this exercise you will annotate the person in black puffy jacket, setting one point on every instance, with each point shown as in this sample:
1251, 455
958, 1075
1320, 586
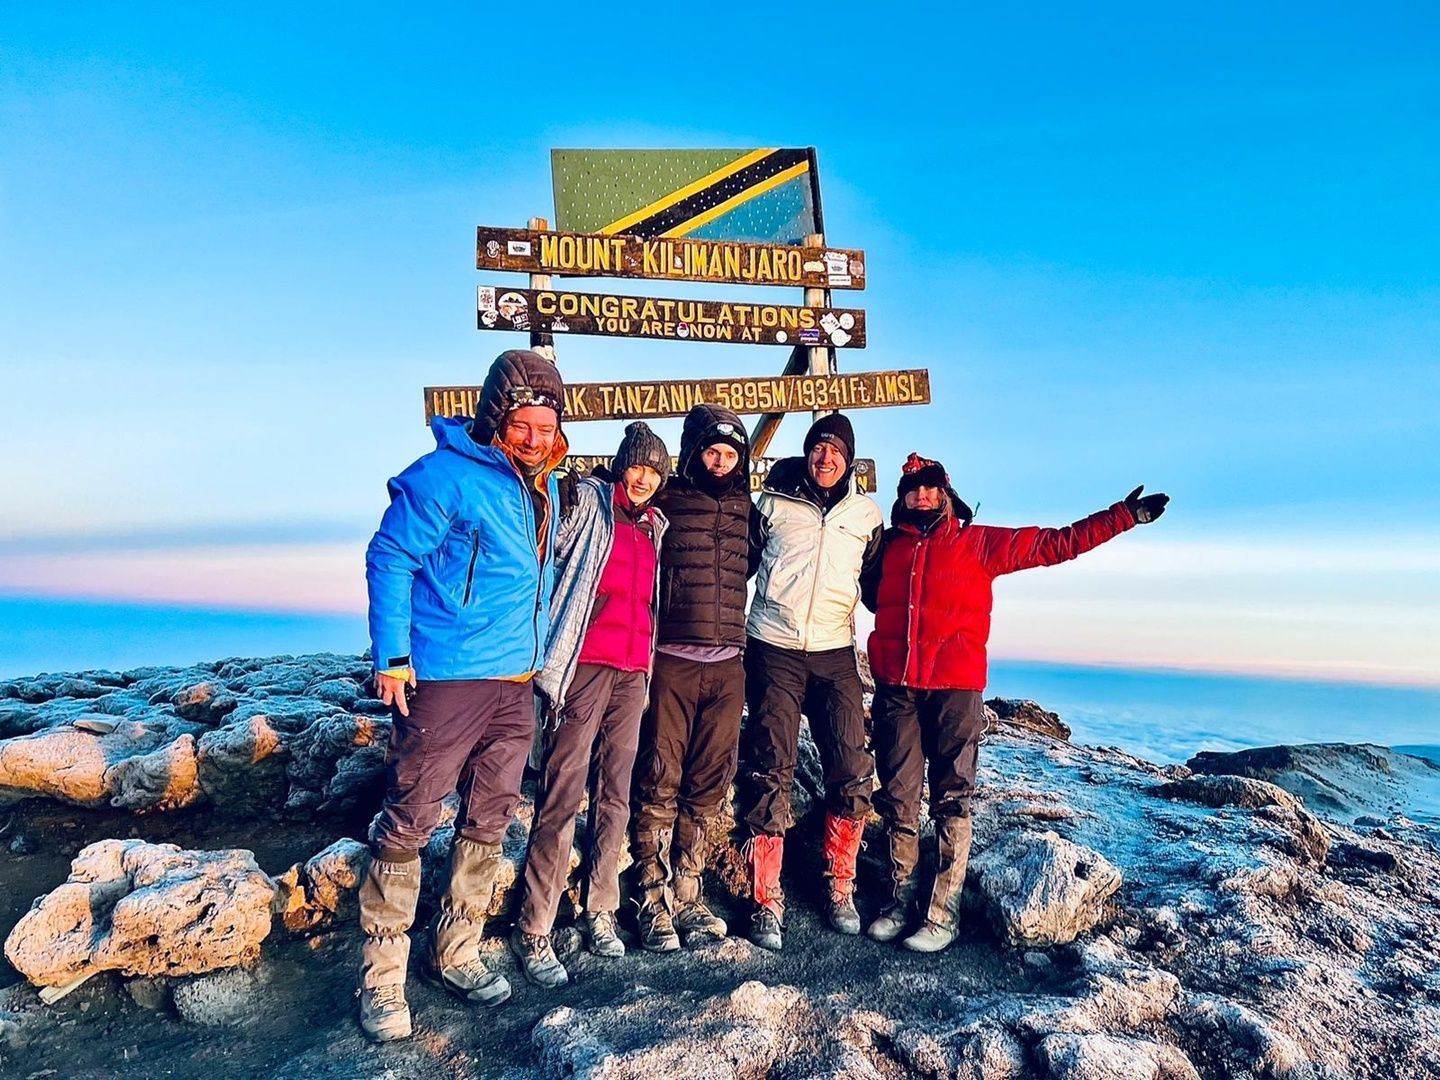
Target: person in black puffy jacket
690, 731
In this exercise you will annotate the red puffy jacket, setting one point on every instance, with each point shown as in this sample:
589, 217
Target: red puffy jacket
932, 605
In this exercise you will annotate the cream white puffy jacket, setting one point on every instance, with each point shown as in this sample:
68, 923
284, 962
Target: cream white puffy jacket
807, 581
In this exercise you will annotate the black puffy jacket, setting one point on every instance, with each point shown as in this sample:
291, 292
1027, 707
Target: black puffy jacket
704, 559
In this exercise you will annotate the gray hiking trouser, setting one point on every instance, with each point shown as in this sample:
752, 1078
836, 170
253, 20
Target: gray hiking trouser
593, 747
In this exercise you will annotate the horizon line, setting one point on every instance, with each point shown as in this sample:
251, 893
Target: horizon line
1279, 672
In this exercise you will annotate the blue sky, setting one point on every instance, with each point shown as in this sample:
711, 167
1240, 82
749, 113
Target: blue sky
1191, 249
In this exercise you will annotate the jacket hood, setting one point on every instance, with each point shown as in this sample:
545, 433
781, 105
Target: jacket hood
959, 510
453, 433
518, 376
703, 426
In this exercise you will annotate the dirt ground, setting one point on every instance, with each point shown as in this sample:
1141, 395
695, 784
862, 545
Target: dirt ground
301, 1022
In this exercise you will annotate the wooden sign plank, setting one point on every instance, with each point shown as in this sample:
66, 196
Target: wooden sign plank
745, 394
667, 258
585, 464
611, 315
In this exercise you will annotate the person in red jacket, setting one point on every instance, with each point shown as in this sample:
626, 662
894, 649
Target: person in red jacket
931, 594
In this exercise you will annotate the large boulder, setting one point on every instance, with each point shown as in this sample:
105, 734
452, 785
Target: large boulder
1301, 836
1338, 781
144, 909
1029, 716
1040, 889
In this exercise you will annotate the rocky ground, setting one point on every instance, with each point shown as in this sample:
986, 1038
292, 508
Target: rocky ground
190, 839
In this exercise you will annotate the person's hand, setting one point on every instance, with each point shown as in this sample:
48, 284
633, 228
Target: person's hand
1148, 508
391, 689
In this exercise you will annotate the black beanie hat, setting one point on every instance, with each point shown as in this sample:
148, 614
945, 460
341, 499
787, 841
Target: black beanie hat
641, 446
707, 425
517, 378
836, 429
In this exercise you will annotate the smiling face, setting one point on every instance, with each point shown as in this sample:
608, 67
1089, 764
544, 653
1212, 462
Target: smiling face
640, 482
719, 459
529, 434
827, 464
924, 497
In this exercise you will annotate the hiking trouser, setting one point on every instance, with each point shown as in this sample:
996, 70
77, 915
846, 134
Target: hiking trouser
919, 729
466, 735
592, 747
689, 735
779, 683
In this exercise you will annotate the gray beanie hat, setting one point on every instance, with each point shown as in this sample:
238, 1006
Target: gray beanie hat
641, 446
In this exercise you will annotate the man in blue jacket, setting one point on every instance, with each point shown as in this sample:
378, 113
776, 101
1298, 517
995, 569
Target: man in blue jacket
460, 576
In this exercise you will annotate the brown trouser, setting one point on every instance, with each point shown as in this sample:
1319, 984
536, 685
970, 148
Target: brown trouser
690, 733
914, 729
470, 735
593, 746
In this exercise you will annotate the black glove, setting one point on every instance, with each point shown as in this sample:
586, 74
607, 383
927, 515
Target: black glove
1146, 509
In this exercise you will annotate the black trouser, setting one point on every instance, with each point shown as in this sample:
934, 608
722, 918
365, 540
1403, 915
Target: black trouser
916, 728
689, 738
470, 735
779, 683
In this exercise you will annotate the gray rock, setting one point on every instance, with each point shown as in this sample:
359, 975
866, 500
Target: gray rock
220, 1000
1104, 1057
149, 993
1039, 889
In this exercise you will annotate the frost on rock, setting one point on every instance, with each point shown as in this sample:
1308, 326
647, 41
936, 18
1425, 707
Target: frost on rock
287, 735
1040, 889
144, 909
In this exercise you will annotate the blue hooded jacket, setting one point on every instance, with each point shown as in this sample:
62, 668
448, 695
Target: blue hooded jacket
458, 588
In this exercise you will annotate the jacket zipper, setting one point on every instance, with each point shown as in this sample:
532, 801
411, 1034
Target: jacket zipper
528, 508
911, 629
814, 586
470, 573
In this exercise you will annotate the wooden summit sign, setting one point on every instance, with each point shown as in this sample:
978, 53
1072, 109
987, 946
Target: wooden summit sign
585, 464
611, 315
667, 258
761, 394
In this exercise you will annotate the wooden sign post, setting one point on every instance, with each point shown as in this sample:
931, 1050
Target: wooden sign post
711, 216
747, 395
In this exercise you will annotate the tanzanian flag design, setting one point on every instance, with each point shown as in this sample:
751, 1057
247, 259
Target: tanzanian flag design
764, 196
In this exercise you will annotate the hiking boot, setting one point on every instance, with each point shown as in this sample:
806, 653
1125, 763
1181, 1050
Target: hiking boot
952, 837
538, 960
931, 937
696, 918
384, 1013
765, 930
599, 927
657, 930
841, 849
841, 914
889, 924
765, 854
388, 895
454, 961
904, 842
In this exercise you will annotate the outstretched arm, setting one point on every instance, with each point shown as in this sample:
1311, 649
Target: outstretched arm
1005, 551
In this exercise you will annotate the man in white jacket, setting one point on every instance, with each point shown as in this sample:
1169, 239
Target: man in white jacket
812, 534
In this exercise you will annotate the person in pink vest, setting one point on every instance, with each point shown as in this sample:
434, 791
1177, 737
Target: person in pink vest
931, 594
592, 691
